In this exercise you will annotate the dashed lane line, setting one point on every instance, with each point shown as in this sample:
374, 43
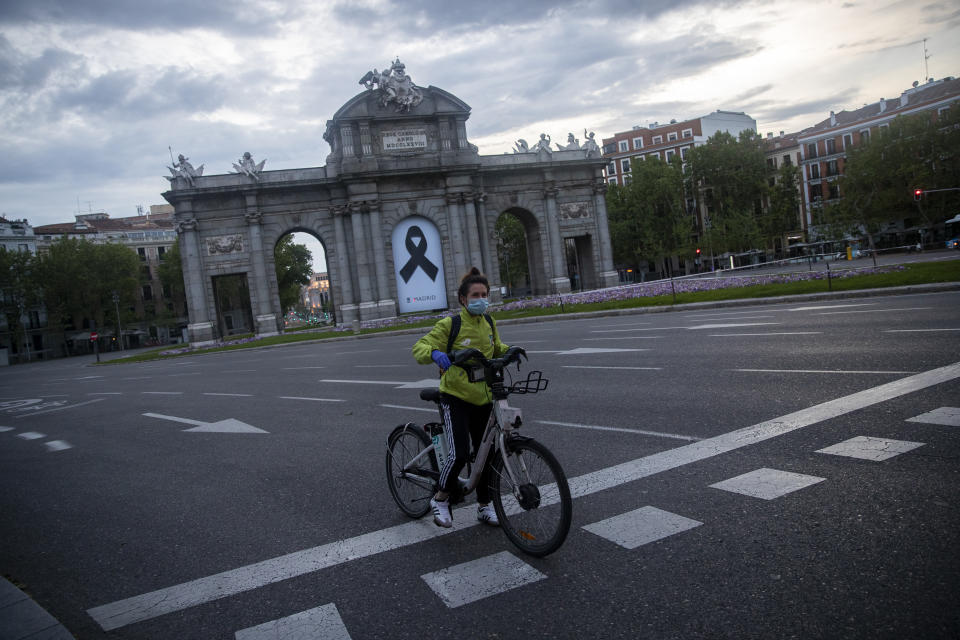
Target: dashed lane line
833, 313
210, 588
311, 399
405, 408
573, 366
817, 371
769, 333
920, 330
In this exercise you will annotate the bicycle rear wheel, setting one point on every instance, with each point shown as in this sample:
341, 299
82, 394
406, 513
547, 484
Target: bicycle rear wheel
412, 495
535, 512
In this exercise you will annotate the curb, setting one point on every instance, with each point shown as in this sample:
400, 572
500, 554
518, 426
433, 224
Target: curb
21, 618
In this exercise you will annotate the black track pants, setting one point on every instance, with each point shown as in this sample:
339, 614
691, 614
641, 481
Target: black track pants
462, 423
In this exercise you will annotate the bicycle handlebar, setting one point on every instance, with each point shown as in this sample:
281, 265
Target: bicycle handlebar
462, 357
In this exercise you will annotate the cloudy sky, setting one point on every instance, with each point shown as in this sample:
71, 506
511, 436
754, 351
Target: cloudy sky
92, 92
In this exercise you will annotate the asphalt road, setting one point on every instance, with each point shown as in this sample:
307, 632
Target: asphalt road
242, 494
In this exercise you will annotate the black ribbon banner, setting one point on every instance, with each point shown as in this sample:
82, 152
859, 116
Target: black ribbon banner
418, 256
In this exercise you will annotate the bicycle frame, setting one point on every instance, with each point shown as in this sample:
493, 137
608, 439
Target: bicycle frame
503, 420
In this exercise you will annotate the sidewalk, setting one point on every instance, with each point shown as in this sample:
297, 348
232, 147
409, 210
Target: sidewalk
21, 618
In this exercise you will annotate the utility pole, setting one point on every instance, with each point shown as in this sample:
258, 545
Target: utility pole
116, 305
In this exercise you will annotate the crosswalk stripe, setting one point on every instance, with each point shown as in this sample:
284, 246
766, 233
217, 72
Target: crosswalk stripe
478, 579
867, 448
767, 484
319, 622
641, 526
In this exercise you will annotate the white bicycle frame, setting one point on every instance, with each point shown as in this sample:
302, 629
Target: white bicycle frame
503, 420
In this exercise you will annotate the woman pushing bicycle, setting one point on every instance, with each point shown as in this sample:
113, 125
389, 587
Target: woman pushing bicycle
464, 404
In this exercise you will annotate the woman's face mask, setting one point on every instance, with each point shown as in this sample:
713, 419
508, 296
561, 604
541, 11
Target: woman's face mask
478, 306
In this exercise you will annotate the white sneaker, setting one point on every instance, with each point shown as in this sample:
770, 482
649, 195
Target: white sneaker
441, 512
488, 515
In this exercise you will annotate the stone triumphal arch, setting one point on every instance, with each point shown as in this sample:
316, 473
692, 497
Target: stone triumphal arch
404, 206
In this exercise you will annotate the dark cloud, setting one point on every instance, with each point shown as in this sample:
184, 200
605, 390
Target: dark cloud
818, 109
235, 16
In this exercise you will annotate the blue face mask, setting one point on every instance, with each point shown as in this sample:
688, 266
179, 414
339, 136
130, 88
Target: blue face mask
478, 306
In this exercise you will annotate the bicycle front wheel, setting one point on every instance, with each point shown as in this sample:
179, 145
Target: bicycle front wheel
535, 511
412, 494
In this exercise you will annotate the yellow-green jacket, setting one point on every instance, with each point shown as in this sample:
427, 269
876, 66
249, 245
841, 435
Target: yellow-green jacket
475, 333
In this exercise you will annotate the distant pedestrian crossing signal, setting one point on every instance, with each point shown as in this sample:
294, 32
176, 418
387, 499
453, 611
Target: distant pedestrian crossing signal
917, 194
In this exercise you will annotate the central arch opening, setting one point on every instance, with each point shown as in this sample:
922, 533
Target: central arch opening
303, 280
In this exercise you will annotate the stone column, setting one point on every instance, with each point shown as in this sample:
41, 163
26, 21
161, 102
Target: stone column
456, 235
344, 281
361, 258
200, 329
264, 319
386, 307
473, 235
608, 275
490, 268
559, 280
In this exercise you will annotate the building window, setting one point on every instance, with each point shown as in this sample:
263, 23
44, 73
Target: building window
684, 152
816, 192
771, 163
147, 292
23, 248
687, 133
655, 154
847, 140
657, 139
671, 136
612, 180
942, 111
815, 172
160, 253
832, 169
624, 146
143, 253
812, 150
865, 135
786, 160
611, 168
669, 154
831, 146
834, 191
638, 143
884, 126
625, 165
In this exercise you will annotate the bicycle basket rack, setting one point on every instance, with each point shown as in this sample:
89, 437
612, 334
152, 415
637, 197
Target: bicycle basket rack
534, 382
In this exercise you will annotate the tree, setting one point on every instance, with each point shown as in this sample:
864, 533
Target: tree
781, 216
294, 266
511, 251
646, 217
730, 174
18, 291
880, 174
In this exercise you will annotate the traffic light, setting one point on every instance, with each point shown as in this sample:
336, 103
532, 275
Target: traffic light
698, 252
917, 194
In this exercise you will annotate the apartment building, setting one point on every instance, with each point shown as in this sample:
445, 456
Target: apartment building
664, 141
824, 146
150, 234
784, 150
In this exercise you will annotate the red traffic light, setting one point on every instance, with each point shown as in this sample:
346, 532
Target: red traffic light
698, 251
917, 194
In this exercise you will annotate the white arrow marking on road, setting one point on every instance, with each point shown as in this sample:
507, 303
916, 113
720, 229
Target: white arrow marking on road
583, 350
230, 425
730, 324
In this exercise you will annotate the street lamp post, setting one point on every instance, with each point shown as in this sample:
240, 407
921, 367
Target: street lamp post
116, 305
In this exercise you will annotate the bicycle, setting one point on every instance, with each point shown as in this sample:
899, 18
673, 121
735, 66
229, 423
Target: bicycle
528, 487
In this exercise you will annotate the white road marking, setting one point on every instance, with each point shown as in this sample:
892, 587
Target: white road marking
210, 588
388, 382
575, 366
322, 622
478, 579
767, 484
230, 425
949, 416
642, 526
400, 406
867, 448
769, 333
232, 395
31, 435
626, 330
730, 324
380, 366
641, 432
832, 306
833, 313
347, 353
735, 317
5, 429
296, 368
629, 324
313, 399
816, 371
105, 393
162, 393
625, 338
416, 384
240, 371
918, 330
69, 406
58, 445
585, 350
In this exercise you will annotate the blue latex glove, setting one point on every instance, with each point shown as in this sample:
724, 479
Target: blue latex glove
442, 360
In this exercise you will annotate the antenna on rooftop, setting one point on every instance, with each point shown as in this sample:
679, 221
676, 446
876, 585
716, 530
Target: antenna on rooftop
926, 56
